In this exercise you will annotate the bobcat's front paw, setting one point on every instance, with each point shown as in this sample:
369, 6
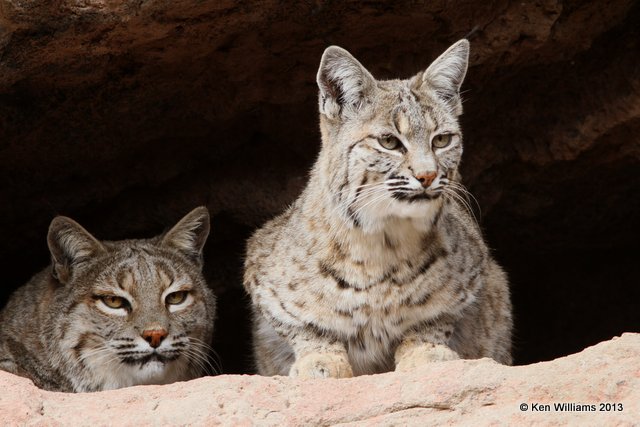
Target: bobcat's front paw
411, 357
321, 365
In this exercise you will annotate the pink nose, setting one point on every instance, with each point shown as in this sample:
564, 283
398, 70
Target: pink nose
426, 178
154, 336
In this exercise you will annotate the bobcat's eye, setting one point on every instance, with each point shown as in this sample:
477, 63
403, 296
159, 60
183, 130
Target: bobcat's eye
442, 140
113, 301
175, 298
389, 142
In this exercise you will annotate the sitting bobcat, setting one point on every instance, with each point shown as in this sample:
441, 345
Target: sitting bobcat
378, 265
106, 315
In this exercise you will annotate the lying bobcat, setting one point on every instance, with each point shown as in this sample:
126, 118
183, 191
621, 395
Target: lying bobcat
106, 315
378, 265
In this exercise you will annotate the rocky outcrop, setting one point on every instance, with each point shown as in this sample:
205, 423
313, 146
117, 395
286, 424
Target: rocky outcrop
126, 115
599, 386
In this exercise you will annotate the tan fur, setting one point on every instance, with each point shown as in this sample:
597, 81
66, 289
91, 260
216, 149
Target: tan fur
372, 269
58, 331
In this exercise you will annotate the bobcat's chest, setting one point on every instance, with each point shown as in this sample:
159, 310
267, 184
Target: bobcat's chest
376, 328
371, 349
376, 315
373, 327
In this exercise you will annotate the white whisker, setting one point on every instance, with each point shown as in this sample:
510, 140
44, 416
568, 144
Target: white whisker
456, 197
461, 187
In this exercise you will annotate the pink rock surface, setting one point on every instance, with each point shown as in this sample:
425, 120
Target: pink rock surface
469, 392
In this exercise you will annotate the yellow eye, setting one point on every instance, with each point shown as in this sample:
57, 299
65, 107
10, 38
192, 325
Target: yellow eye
113, 301
175, 298
442, 140
389, 142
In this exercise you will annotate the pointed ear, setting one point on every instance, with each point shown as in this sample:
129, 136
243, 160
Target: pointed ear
344, 83
190, 234
445, 74
70, 245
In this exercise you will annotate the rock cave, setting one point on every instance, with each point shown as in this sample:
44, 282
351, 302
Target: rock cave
126, 115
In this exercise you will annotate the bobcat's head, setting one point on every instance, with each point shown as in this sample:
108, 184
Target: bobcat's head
390, 148
132, 311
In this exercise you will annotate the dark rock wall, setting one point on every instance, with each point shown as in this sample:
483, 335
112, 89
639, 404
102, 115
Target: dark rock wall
125, 115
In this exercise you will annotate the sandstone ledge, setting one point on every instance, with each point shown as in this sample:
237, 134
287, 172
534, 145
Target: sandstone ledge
477, 392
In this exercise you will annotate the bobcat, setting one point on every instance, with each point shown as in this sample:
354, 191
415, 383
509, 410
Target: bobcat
107, 315
378, 265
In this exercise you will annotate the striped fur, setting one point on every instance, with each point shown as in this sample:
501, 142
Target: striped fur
378, 265
57, 330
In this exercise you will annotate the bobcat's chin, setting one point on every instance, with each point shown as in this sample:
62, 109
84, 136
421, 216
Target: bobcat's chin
421, 206
152, 368
157, 371
400, 214
416, 196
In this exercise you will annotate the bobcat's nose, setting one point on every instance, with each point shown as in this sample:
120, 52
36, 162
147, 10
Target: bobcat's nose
154, 336
426, 178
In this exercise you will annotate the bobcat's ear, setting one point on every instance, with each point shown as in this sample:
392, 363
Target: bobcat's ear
344, 83
445, 74
190, 234
70, 245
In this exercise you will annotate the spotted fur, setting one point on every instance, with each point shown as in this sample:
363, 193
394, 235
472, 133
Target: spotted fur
58, 331
379, 265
